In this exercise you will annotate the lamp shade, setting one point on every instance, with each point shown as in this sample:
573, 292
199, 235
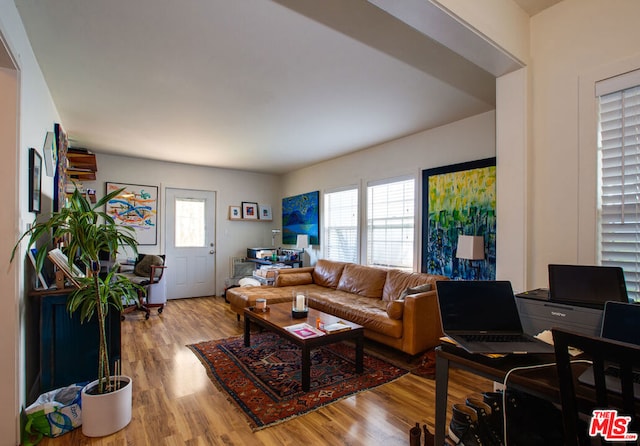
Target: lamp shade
470, 247
302, 241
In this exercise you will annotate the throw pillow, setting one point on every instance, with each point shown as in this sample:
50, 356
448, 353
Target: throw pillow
291, 279
143, 267
415, 290
395, 309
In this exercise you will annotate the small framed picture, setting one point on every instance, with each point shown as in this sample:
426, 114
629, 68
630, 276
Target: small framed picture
265, 212
249, 210
35, 180
235, 213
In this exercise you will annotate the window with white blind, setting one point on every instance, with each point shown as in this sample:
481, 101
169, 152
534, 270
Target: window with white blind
341, 225
619, 159
390, 223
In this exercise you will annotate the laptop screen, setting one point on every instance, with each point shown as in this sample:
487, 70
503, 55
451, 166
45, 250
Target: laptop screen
586, 285
477, 306
621, 322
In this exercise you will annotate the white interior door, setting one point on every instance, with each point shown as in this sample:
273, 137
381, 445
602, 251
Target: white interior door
190, 240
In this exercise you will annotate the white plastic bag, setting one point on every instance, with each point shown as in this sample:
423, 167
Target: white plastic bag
55, 413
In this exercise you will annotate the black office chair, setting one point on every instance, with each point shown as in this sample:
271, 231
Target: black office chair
603, 353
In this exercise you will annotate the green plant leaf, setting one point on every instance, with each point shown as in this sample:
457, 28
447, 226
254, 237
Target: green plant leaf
86, 231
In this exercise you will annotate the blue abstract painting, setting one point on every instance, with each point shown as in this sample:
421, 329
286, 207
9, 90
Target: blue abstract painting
301, 215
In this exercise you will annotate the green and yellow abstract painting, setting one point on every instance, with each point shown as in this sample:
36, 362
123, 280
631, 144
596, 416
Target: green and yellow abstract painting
460, 200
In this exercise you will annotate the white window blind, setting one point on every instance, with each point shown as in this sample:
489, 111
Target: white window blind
619, 157
341, 225
390, 223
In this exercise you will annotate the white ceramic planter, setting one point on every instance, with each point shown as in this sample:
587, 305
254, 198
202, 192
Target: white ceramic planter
105, 414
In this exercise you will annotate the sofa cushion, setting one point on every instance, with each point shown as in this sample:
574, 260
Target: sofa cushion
370, 313
293, 279
241, 297
416, 290
327, 273
395, 309
398, 281
362, 280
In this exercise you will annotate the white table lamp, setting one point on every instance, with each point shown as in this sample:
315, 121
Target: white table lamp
302, 242
470, 247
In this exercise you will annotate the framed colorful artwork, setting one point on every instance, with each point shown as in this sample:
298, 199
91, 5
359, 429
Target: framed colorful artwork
136, 207
249, 210
235, 213
301, 215
265, 212
459, 199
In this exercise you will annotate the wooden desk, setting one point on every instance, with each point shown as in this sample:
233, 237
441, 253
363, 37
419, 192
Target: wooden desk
541, 382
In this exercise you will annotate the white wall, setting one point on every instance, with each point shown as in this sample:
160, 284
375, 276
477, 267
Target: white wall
231, 187
467, 140
25, 125
512, 142
570, 43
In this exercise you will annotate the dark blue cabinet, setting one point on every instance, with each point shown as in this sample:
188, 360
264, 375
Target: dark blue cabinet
69, 348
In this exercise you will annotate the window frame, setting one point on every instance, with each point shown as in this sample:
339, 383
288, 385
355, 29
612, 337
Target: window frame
365, 228
326, 216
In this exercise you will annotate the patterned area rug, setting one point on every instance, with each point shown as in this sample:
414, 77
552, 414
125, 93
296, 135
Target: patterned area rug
264, 380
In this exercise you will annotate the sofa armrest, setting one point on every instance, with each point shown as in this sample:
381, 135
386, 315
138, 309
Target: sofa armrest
421, 322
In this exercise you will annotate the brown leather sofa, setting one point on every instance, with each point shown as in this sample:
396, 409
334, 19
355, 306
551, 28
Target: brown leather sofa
396, 308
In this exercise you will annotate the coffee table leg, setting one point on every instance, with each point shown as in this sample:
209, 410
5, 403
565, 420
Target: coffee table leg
360, 354
247, 331
306, 369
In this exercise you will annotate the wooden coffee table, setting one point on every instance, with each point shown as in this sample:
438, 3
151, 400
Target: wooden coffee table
279, 316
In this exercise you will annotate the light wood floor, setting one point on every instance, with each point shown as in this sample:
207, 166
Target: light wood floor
175, 403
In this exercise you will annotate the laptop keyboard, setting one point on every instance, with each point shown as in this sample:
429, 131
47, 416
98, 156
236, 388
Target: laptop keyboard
615, 372
496, 338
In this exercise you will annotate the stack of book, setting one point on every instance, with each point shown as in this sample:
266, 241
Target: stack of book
336, 327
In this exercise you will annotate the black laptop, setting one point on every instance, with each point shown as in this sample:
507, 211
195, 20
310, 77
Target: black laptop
482, 317
586, 285
620, 322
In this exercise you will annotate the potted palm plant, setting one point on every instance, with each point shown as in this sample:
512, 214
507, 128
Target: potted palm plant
86, 232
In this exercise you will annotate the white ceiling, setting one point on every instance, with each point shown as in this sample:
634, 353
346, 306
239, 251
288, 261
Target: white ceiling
257, 85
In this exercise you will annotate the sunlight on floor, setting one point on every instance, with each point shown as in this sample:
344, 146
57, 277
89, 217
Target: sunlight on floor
188, 375
375, 423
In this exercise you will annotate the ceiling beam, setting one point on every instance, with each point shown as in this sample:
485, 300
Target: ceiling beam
440, 25
369, 24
